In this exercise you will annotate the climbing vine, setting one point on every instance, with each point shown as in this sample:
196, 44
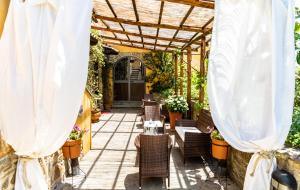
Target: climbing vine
96, 62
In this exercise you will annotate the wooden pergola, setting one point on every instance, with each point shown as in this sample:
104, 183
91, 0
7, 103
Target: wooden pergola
165, 25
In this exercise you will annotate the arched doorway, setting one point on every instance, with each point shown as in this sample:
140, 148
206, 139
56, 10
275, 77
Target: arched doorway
129, 79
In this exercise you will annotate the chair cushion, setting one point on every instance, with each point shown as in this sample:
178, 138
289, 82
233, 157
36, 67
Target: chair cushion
182, 130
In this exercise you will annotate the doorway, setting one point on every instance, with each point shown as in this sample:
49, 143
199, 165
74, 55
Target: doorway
129, 79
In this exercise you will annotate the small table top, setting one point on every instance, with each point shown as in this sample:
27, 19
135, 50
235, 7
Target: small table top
153, 124
153, 127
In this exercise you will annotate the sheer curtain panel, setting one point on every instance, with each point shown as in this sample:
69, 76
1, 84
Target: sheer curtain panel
44, 54
251, 80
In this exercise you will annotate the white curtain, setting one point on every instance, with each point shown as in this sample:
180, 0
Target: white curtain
44, 53
251, 80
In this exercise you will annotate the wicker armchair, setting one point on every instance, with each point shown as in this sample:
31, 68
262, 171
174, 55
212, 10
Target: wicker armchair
154, 158
152, 112
193, 138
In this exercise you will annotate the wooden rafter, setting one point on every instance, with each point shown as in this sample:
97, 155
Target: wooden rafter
197, 39
196, 3
159, 20
137, 42
143, 35
108, 28
115, 15
182, 23
137, 18
192, 41
133, 46
146, 24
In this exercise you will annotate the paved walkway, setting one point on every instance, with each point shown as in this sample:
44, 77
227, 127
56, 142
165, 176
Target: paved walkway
111, 162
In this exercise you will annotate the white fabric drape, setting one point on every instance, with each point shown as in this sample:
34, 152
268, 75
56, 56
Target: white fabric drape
251, 79
44, 53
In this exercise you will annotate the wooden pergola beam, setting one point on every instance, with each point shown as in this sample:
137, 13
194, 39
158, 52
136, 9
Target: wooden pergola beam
181, 74
202, 69
196, 3
176, 72
189, 79
192, 40
143, 35
137, 18
132, 46
159, 20
108, 28
197, 39
147, 24
115, 16
182, 23
137, 42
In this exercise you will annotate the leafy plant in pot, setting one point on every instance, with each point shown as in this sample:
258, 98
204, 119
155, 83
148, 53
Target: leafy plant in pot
219, 146
72, 147
176, 105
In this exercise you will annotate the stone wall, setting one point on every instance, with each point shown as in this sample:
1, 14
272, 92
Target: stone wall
8, 165
288, 159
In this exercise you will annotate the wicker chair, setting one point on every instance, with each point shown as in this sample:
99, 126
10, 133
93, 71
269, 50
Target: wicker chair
147, 101
154, 158
193, 138
148, 97
152, 112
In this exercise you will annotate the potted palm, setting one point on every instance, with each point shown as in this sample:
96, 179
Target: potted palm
176, 105
72, 147
219, 146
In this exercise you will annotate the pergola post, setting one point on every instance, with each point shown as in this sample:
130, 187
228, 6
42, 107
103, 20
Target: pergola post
189, 79
181, 73
202, 68
176, 72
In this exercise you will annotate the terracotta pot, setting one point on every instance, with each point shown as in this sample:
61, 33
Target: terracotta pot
219, 149
95, 115
174, 116
72, 149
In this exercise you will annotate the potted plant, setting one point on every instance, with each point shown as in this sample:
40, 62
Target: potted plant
219, 146
176, 105
72, 147
96, 111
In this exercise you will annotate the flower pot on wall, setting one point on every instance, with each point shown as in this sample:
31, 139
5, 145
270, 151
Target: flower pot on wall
174, 116
219, 149
96, 113
72, 149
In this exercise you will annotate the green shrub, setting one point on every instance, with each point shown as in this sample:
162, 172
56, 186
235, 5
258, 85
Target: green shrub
162, 75
177, 104
293, 138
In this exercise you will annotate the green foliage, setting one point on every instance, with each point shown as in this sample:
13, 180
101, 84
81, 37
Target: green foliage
162, 72
177, 104
96, 62
297, 35
293, 138
216, 135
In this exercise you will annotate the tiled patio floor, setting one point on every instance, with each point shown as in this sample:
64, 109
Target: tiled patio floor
111, 162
